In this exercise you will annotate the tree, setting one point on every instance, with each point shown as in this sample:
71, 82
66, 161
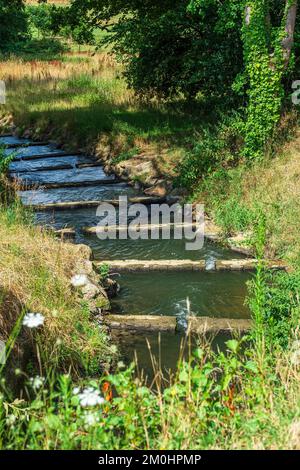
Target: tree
13, 22
226, 48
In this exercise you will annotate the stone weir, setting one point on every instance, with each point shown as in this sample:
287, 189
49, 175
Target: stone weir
40, 169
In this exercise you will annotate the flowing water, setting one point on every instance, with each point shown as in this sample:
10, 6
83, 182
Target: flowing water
215, 294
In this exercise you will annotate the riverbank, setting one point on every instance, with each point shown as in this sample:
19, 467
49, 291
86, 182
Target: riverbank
253, 384
36, 272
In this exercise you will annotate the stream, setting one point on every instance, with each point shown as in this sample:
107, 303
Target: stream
43, 168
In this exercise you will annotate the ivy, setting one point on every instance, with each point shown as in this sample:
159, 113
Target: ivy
265, 68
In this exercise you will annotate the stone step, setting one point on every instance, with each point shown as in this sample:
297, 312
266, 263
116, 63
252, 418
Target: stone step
196, 325
153, 265
46, 155
187, 265
28, 185
248, 265
61, 206
63, 233
64, 166
25, 144
124, 228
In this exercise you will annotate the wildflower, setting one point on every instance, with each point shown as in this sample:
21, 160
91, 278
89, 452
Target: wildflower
33, 320
76, 390
80, 280
36, 382
10, 420
90, 420
90, 397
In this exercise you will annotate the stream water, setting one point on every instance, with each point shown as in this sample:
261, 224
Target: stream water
215, 294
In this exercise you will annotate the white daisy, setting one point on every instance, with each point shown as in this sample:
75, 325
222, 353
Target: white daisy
90, 397
36, 382
33, 320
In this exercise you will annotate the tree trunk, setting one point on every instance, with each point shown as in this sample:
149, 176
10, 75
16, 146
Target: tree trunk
287, 43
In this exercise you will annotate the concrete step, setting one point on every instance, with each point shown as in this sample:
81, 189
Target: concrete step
153, 265
186, 265
196, 325
27, 185
61, 206
124, 228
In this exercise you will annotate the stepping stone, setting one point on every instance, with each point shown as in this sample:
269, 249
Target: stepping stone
62, 206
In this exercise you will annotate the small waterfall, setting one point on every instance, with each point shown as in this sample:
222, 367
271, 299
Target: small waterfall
210, 264
184, 311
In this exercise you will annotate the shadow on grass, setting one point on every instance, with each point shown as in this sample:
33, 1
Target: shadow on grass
87, 114
45, 49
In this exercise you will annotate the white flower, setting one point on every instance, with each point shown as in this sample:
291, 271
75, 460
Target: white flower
37, 382
10, 420
76, 390
80, 280
90, 397
90, 420
33, 320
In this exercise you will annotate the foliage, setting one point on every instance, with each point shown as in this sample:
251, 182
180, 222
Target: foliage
264, 66
40, 18
13, 22
71, 24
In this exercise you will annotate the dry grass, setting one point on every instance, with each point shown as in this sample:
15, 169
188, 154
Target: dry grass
35, 273
277, 188
101, 65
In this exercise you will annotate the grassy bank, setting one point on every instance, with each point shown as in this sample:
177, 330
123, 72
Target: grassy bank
35, 276
237, 197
